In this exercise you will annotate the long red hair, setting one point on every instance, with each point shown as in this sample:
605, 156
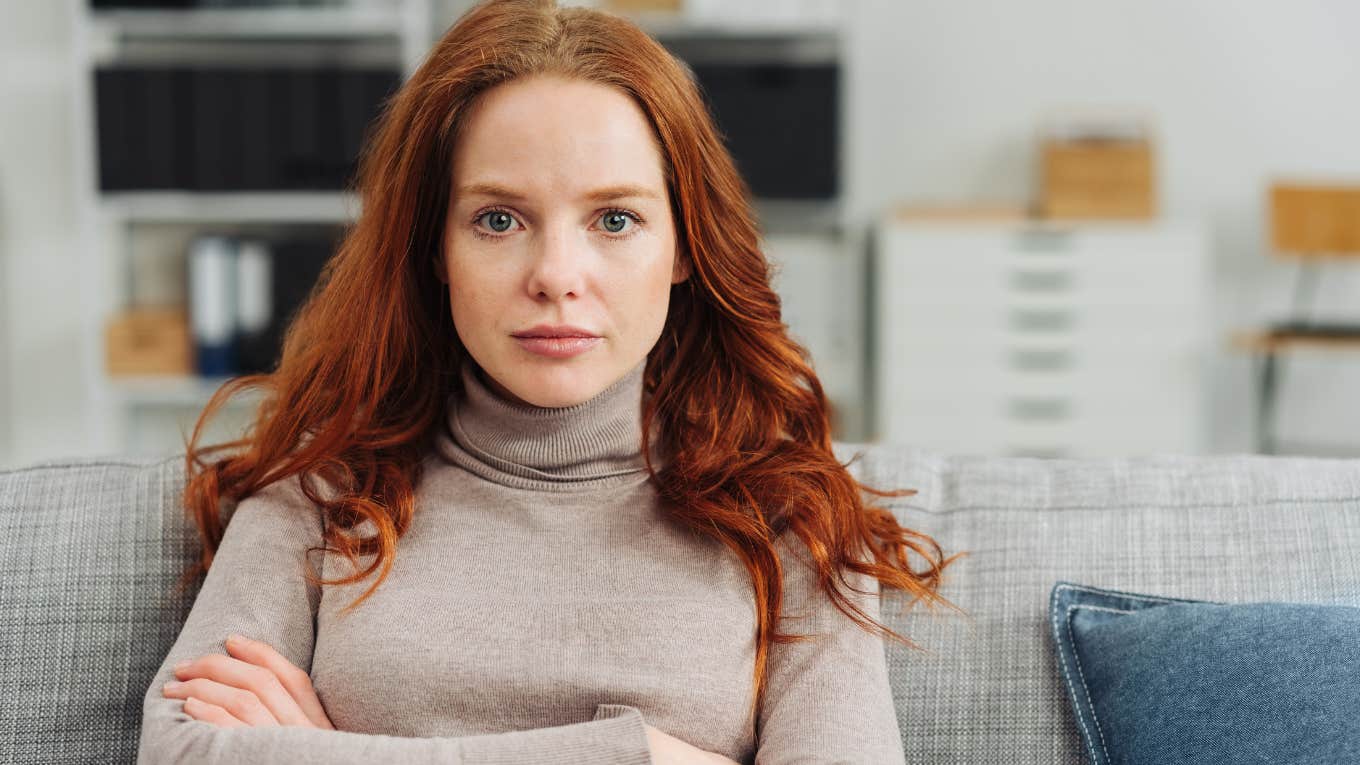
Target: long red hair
369, 360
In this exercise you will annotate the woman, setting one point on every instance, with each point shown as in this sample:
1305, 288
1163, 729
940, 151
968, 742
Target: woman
542, 396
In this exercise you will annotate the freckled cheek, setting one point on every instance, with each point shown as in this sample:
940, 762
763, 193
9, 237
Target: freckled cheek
476, 304
660, 277
642, 300
479, 279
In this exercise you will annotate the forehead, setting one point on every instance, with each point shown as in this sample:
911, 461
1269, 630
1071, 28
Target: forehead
556, 136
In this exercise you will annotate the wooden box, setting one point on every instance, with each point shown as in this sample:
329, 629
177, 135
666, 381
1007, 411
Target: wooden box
629, 6
1315, 219
149, 341
1086, 179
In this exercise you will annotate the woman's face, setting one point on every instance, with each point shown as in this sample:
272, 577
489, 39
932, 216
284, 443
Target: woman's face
558, 215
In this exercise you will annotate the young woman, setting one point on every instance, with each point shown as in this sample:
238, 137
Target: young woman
540, 476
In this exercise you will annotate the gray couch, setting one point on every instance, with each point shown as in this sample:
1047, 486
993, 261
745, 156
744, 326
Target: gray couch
92, 546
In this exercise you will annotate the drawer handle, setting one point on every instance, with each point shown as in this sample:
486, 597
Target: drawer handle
1036, 240
1042, 452
1041, 320
1041, 360
1041, 281
1039, 408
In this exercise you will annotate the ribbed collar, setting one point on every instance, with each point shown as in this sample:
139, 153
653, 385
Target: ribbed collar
594, 444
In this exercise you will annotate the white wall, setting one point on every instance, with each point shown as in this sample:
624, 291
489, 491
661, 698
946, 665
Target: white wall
946, 96
42, 413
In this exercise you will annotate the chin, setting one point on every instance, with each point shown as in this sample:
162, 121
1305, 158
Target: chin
549, 401
547, 393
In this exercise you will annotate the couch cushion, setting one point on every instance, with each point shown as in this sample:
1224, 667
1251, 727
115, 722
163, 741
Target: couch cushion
91, 551
1154, 680
1228, 528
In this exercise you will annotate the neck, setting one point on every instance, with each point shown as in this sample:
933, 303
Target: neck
593, 444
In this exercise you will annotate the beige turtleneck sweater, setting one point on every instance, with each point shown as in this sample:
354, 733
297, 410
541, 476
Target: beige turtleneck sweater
540, 609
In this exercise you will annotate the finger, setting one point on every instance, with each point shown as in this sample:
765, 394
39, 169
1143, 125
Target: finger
210, 713
295, 681
262, 686
258, 681
241, 704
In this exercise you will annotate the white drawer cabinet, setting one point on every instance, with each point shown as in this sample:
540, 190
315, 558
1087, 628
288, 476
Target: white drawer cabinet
1038, 339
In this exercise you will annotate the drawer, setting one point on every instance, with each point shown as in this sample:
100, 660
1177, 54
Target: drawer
964, 432
1103, 436
1120, 372
1037, 398
1168, 241
1085, 284
964, 428
987, 400
1021, 321
977, 264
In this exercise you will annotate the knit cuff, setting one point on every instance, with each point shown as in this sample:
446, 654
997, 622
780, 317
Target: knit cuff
630, 730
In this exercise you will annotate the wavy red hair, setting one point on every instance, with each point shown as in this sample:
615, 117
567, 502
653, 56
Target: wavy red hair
369, 360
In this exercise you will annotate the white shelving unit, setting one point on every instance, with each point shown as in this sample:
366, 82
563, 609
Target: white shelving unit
216, 207
284, 23
1042, 339
123, 413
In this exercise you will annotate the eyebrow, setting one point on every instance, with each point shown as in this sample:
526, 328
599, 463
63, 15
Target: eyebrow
606, 194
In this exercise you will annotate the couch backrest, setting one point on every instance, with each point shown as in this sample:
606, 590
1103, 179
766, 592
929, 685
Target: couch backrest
93, 547
91, 550
1232, 528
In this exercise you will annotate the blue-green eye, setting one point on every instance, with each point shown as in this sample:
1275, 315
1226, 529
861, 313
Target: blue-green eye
614, 221
500, 220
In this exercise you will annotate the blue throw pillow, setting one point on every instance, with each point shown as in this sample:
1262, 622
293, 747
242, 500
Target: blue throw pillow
1168, 680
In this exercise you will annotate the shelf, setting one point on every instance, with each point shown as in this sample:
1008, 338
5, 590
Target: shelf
172, 390
1314, 449
799, 216
232, 207
669, 24
1266, 342
132, 413
250, 23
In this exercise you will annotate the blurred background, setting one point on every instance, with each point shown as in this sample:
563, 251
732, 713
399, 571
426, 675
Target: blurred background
1051, 228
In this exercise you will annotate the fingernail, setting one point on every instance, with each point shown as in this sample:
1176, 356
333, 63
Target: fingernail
234, 638
173, 686
183, 664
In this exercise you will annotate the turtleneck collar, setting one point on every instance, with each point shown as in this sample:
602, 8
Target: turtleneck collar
593, 444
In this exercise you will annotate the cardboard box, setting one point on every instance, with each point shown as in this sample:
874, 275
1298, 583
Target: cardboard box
1098, 178
149, 341
1315, 219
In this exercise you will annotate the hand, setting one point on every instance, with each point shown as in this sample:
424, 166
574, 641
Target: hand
669, 750
254, 686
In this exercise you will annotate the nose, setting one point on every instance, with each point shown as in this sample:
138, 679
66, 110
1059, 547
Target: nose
558, 266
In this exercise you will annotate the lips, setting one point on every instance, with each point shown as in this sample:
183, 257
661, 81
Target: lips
554, 331
558, 347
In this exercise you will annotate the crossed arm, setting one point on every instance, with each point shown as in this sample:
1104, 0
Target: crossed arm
828, 701
254, 685
255, 702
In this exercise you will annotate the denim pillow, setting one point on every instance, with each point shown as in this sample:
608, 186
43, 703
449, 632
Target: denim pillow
1168, 680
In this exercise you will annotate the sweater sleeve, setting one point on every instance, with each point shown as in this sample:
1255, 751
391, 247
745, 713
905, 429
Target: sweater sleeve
828, 700
256, 587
